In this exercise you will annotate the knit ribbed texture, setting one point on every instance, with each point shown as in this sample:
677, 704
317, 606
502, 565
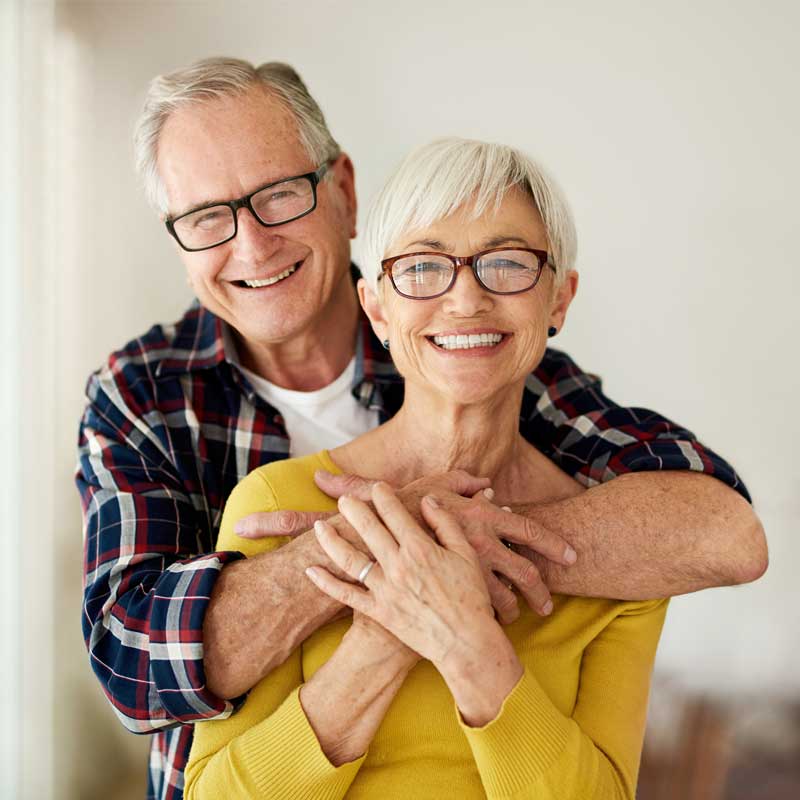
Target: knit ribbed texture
571, 729
522, 743
304, 770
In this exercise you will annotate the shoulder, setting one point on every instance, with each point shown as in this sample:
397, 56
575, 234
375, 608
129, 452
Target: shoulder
557, 373
131, 373
290, 483
278, 486
600, 617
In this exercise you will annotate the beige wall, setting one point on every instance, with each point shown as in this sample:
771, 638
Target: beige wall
674, 132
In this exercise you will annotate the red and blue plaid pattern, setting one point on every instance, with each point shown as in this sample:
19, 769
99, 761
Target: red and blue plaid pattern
171, 426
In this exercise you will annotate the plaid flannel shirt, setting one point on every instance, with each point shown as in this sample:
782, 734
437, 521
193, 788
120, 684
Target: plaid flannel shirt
171, 426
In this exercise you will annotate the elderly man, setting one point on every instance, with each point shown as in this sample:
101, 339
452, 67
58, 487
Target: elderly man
277, 359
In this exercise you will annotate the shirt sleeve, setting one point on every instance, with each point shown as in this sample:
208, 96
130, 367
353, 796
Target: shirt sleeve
147, 574
268, 748
566, 414
531, 749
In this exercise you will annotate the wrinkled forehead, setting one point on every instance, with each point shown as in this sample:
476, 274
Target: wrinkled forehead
222, 148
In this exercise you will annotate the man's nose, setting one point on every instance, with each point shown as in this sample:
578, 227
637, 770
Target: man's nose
253, 241
466, 296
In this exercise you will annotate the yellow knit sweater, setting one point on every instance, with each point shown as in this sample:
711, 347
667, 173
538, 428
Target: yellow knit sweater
571, 728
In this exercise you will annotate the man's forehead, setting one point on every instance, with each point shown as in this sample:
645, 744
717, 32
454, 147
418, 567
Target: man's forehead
225, 147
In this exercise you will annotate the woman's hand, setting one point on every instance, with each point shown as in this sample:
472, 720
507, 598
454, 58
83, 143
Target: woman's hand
431, 596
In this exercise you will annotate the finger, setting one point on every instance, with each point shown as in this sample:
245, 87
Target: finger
528, 532
277, 523
396, 517
447, 530
338, 485
369, 527
461, 482
346, 593
349, 560
525, 576
487, 493
504, 601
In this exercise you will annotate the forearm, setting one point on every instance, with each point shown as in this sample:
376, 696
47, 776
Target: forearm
262, 609
347, 698
654, 534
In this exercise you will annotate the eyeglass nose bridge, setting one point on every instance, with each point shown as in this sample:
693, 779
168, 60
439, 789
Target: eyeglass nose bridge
465, 261
245, 202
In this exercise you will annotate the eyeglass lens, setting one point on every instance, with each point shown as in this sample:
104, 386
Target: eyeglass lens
273, 205
502, 271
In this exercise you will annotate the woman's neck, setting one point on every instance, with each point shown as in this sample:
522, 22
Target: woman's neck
431, 434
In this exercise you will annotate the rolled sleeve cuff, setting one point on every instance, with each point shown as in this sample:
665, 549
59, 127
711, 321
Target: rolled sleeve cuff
176, 639
670, 454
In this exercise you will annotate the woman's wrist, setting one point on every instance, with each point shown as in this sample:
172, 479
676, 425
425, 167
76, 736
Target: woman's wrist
481, 671
368, 641
348, 696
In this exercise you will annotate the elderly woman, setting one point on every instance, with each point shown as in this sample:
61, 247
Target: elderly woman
423, 694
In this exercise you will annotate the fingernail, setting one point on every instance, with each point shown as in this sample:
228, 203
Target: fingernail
239, 527
488, 493
506, 508
311, 572
319, 527
431, 501
570, 556
547, 608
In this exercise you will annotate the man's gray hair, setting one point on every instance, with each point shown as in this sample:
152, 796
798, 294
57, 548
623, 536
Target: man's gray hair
438, 178
216, 78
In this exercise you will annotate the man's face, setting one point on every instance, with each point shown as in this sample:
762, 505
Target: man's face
224, 149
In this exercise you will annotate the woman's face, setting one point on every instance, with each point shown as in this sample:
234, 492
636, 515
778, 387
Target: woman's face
468, 375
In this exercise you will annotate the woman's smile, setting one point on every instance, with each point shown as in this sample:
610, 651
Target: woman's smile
472, 342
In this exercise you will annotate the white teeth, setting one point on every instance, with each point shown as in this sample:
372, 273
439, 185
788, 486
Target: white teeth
269, 281
465, 342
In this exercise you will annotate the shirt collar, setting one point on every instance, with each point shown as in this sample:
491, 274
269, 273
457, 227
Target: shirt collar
199, 342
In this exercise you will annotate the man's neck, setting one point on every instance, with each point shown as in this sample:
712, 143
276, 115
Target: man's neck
312, 358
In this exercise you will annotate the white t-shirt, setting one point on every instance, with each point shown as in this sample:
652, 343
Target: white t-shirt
318, 420
322, 419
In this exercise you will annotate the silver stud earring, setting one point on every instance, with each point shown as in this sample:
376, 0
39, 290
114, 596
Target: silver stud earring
385, 344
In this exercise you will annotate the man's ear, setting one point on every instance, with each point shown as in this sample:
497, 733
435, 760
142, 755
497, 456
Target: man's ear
345, 177
564, 295
373, 309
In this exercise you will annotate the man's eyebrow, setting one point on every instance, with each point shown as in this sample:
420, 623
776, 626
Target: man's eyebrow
197, 206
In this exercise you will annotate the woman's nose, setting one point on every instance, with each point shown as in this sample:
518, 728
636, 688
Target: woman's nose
466, 296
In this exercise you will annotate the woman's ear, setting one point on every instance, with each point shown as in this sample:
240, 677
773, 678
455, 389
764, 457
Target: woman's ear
373, 309
564, 295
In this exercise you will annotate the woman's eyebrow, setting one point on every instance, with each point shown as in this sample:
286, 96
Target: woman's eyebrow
433, 244
497, 241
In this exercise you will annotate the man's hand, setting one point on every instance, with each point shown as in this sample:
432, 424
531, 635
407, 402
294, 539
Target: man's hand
293, 523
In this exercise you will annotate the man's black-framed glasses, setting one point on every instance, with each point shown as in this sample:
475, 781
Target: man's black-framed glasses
274, 204
504, 270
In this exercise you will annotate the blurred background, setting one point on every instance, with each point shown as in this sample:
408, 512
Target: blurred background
674, 129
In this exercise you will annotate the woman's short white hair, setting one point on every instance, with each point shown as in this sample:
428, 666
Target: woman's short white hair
436, 179
216, 78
